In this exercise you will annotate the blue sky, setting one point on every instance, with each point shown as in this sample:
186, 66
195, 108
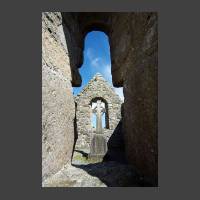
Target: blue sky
96, 59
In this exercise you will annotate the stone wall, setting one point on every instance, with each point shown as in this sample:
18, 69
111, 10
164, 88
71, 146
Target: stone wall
97, 87
133, 41
58, 108
135, 65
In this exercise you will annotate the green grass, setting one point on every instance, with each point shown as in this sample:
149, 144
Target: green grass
79, 157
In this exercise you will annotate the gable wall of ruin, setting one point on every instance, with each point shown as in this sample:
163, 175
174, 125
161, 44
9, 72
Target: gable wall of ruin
97, 87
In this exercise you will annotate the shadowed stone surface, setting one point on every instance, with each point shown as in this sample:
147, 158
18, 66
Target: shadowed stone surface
116, 150
107, 174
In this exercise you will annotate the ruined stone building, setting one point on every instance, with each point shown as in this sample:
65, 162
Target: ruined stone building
97, 89
133, 39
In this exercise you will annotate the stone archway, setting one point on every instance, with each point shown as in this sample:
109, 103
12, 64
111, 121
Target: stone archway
133, 41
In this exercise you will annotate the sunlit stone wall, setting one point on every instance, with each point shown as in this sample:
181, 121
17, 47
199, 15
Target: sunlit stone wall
98, 87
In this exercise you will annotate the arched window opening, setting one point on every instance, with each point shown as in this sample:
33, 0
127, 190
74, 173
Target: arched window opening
96, 59
104, 110
94, 118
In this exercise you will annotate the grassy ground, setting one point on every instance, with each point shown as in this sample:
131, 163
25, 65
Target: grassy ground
83, 158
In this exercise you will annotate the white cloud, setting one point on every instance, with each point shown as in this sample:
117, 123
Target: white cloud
100, 65
90, 54
107, 72
119, 91
95, 62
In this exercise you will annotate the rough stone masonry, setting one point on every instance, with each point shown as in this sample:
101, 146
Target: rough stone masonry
133, 38
58, 109
97, 89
